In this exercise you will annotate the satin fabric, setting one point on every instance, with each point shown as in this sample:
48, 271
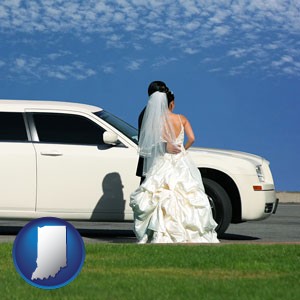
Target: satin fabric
171, 205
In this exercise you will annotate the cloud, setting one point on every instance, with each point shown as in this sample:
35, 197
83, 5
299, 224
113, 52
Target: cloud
237, 53
108, 69
193, 25
36, 67
287, 65
185, 26
215, 70
221, 30
59, 54
115, 41
191, 50
161, 61
20, 63
160, 37
134, 65
76, 70
25, 66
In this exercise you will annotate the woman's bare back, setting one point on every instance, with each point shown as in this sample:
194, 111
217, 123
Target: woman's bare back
178, 121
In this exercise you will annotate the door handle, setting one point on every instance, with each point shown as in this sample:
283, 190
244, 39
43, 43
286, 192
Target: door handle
51, 153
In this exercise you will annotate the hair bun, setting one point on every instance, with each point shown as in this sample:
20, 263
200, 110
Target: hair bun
170, 96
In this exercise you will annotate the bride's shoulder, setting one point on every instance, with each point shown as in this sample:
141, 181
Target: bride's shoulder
179, 117
182, 118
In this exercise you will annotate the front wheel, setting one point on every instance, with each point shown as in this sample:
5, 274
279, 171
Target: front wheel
220, 204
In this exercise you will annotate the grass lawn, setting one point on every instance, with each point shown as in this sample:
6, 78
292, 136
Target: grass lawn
131, 271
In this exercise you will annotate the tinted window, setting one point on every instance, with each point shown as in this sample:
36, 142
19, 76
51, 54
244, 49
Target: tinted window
119, 124
12, 127
67, 129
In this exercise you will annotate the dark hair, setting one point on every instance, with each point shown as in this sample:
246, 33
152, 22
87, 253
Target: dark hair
157, 86
170, 96
160, 86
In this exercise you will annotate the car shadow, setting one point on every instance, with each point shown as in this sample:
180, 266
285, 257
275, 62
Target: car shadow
237, 237
122, 233
10, 230
108, 235
95, 235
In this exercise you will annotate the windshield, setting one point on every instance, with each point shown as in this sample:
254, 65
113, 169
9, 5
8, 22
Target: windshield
119, 124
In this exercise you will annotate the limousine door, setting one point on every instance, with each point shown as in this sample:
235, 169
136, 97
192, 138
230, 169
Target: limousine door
17, 168
80, 177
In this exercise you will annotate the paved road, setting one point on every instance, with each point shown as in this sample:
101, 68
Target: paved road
283, 227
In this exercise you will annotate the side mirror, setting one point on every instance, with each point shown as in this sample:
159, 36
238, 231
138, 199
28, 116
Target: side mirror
110, 138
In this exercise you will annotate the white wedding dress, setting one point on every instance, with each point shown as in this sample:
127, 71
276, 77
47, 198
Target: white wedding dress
171, 205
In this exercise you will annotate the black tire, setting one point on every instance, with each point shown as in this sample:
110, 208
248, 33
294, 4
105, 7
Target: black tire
220, 204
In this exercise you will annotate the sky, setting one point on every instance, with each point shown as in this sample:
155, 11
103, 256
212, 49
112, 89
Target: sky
234, 66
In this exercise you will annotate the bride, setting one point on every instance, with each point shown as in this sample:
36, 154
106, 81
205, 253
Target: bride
170, 206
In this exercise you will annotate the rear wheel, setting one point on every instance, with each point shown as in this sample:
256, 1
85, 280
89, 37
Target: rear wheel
220, 204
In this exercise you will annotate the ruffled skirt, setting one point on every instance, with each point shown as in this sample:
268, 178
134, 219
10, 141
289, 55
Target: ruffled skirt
171, 205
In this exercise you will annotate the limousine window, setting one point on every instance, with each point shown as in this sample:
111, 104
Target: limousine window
119, 124
67, 129
12, 127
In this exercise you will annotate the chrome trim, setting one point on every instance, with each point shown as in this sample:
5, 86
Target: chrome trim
32, 128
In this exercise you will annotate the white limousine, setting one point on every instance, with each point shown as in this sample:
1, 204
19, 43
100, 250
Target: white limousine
78, 162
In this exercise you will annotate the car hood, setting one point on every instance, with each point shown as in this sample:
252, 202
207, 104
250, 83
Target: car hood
255, 159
